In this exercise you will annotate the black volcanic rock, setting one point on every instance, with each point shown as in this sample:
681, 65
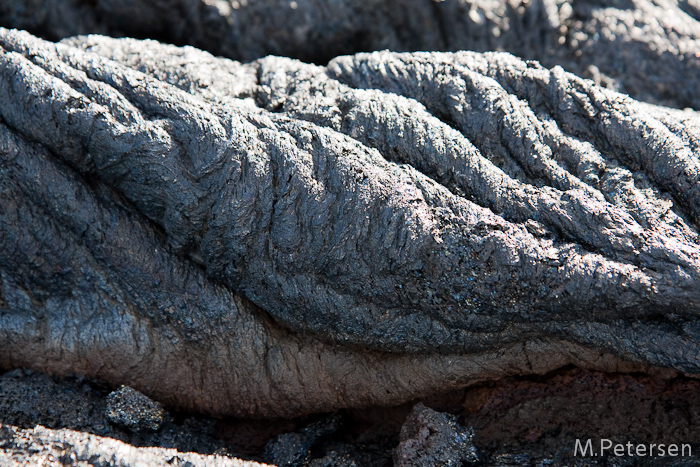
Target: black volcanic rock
277, 238
430, 438
647, 48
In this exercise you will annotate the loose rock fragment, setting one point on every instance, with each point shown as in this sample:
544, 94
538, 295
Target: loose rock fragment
292, 449
430, 438
133, 410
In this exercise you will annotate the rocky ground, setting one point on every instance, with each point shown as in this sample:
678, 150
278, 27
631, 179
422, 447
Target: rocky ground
513, 422
119, 264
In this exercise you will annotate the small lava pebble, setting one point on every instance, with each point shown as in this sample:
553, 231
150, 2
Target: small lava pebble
131, 409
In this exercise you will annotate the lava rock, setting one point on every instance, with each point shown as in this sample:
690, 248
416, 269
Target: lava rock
293, 449
334, 459
430, 438
133, 410
277, 238
42, 446
647, 48
28, 399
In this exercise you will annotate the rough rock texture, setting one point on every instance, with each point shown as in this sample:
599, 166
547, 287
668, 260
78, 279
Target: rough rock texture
291, 449
518, 421
648, 48
398, 224
575, 403
134, 411
42, 446
430, 438
28, 399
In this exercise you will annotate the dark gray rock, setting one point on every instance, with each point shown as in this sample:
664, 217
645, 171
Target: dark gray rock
334, 459
397, 223
434, 439
28, 399
519, 421
293, 449
648, 48
134, 411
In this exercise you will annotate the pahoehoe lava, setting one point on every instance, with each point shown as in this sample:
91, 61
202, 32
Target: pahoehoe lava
646, 48
276, 238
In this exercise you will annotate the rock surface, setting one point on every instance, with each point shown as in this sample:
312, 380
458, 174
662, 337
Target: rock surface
29, 399
398, 224
648, 48
118, 264
42, 446
518, 421
134, 411
434, 439
292, 449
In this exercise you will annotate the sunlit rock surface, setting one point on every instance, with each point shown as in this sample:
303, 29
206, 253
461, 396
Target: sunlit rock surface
277, 238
